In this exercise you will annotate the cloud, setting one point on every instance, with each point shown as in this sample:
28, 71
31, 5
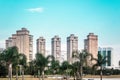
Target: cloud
34, 10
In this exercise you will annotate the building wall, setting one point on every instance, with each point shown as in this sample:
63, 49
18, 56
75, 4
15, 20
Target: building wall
56, 47
9, 42
31, 47
119, 63
41, 46
23, 41
72, 45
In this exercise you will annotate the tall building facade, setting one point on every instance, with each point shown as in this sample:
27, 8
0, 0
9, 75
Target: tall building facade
23, 41
72, 45
91, 44
1, 50
106, 52
119, 63
41, 45
56, 47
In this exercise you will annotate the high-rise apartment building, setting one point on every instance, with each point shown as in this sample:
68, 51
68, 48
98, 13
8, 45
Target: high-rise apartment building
41, 45
56, 47
72, 45
23, 41
91, 44
1, 50
119, 63
106, 52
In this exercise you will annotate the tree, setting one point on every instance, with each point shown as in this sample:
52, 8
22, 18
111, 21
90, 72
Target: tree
99, 62
80, 60
3, 69
51, 60
74, 71
65, 68
55, 66
41, 63
32, 68
22, 63
11, 58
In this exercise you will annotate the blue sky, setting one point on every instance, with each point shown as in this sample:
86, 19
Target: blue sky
62, 17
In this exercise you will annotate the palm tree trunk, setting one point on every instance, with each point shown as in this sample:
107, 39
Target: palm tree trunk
80, 72
22, 74
10, 71
74, 75
17, 73
78, 75
43, 75
101, 73
39, 74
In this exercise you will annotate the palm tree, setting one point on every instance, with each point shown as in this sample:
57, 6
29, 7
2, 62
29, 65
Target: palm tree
41, 63
81, 60
3, 70
75, 70
32, 67
99, 62
55, 66
51, 60
22, 62
66, 68
11, 59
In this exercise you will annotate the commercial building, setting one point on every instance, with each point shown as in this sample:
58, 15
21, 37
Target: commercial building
56, 47
23, 41
107, 51
41, 45
72, 45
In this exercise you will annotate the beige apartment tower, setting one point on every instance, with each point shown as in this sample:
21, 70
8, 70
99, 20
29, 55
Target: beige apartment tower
91, 44
23, 41
72, 45
56, 47
41, 45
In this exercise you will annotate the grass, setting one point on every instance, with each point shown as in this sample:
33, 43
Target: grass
27, 77
98, 76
